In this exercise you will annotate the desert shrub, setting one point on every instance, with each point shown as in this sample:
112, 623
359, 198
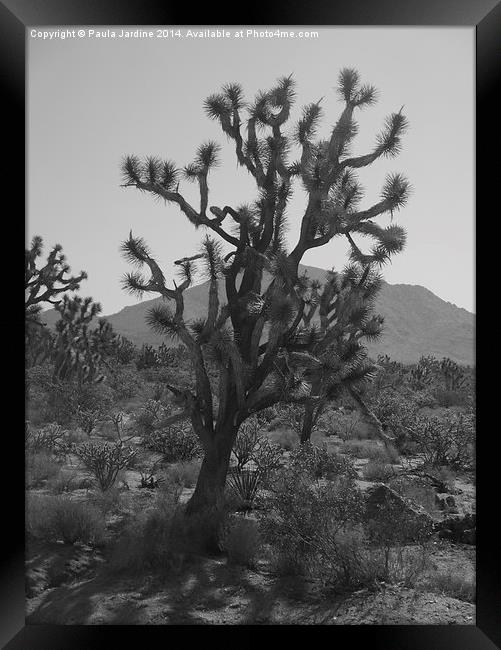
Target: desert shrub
292, 417
41, 466
147, 358
124, 381
51, 438
286, 439
203, 532
317, 462
64, 482
397, 414
375, 470
105, 460
424, 399
268, 415
158, 392
346, 425
267, 458
445, 441
55, 400
183, 473
176, 443
246, 442
450, 398
392, 454
93, 397
383, 454
319, 530
149, 540
122, 351
348, 560
453, 584
242, 541
360, 448
445, 476
60, 399
55, 518
302, 513
88, 418
150, 416
113, 500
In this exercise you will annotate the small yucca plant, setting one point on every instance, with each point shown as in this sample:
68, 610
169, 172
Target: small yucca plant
244, 484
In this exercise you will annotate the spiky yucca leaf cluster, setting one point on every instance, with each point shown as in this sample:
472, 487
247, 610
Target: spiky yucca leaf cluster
152, 171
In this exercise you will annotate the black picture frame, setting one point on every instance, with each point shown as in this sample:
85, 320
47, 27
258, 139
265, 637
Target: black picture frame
15, 15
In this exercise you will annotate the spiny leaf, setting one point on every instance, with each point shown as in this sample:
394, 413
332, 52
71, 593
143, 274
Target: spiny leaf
234, 94
348, 80
135, 250
216, 106
207, 155
131, 169
389, 140
396, 190
161, 321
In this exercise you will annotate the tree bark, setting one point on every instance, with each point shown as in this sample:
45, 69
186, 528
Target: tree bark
307, 427
212, 477
371, 418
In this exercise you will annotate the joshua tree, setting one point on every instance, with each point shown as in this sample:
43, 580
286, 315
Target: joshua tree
44, 285
79, 350
259, 338
345, 308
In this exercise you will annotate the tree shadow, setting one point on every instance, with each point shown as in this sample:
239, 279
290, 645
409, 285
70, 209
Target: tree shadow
200, 591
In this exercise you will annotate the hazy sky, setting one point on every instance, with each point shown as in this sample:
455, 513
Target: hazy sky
92, 101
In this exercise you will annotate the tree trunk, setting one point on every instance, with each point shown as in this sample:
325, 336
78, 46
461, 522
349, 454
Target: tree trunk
307, 427
212, 477
371, 418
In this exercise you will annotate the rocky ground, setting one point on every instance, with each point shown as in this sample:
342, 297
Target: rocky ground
74, 584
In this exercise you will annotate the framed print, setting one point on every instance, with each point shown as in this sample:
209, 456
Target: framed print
250, 337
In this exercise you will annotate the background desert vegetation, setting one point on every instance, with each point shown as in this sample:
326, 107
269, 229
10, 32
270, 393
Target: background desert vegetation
262, 467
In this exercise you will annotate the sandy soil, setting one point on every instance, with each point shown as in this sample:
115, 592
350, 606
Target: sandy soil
72, 585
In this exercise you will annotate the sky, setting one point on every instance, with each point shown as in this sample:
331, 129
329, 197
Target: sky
91, 101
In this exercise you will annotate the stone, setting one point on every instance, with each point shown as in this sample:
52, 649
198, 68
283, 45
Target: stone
460, 529
385, 507
445, 501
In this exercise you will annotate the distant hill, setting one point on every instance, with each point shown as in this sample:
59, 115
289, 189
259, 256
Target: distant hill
416, 322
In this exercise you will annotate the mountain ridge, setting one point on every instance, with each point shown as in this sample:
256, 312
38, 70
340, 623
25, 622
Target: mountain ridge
416, 321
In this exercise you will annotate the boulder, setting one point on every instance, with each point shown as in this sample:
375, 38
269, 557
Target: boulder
458, 529
445, 502
392, 516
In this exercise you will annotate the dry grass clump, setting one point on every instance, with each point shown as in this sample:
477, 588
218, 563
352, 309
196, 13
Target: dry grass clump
376, 470
65, 481
184, 474
58, 518
41, 466
370, 449
148, 540
242, 542
452, 584
359, 448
